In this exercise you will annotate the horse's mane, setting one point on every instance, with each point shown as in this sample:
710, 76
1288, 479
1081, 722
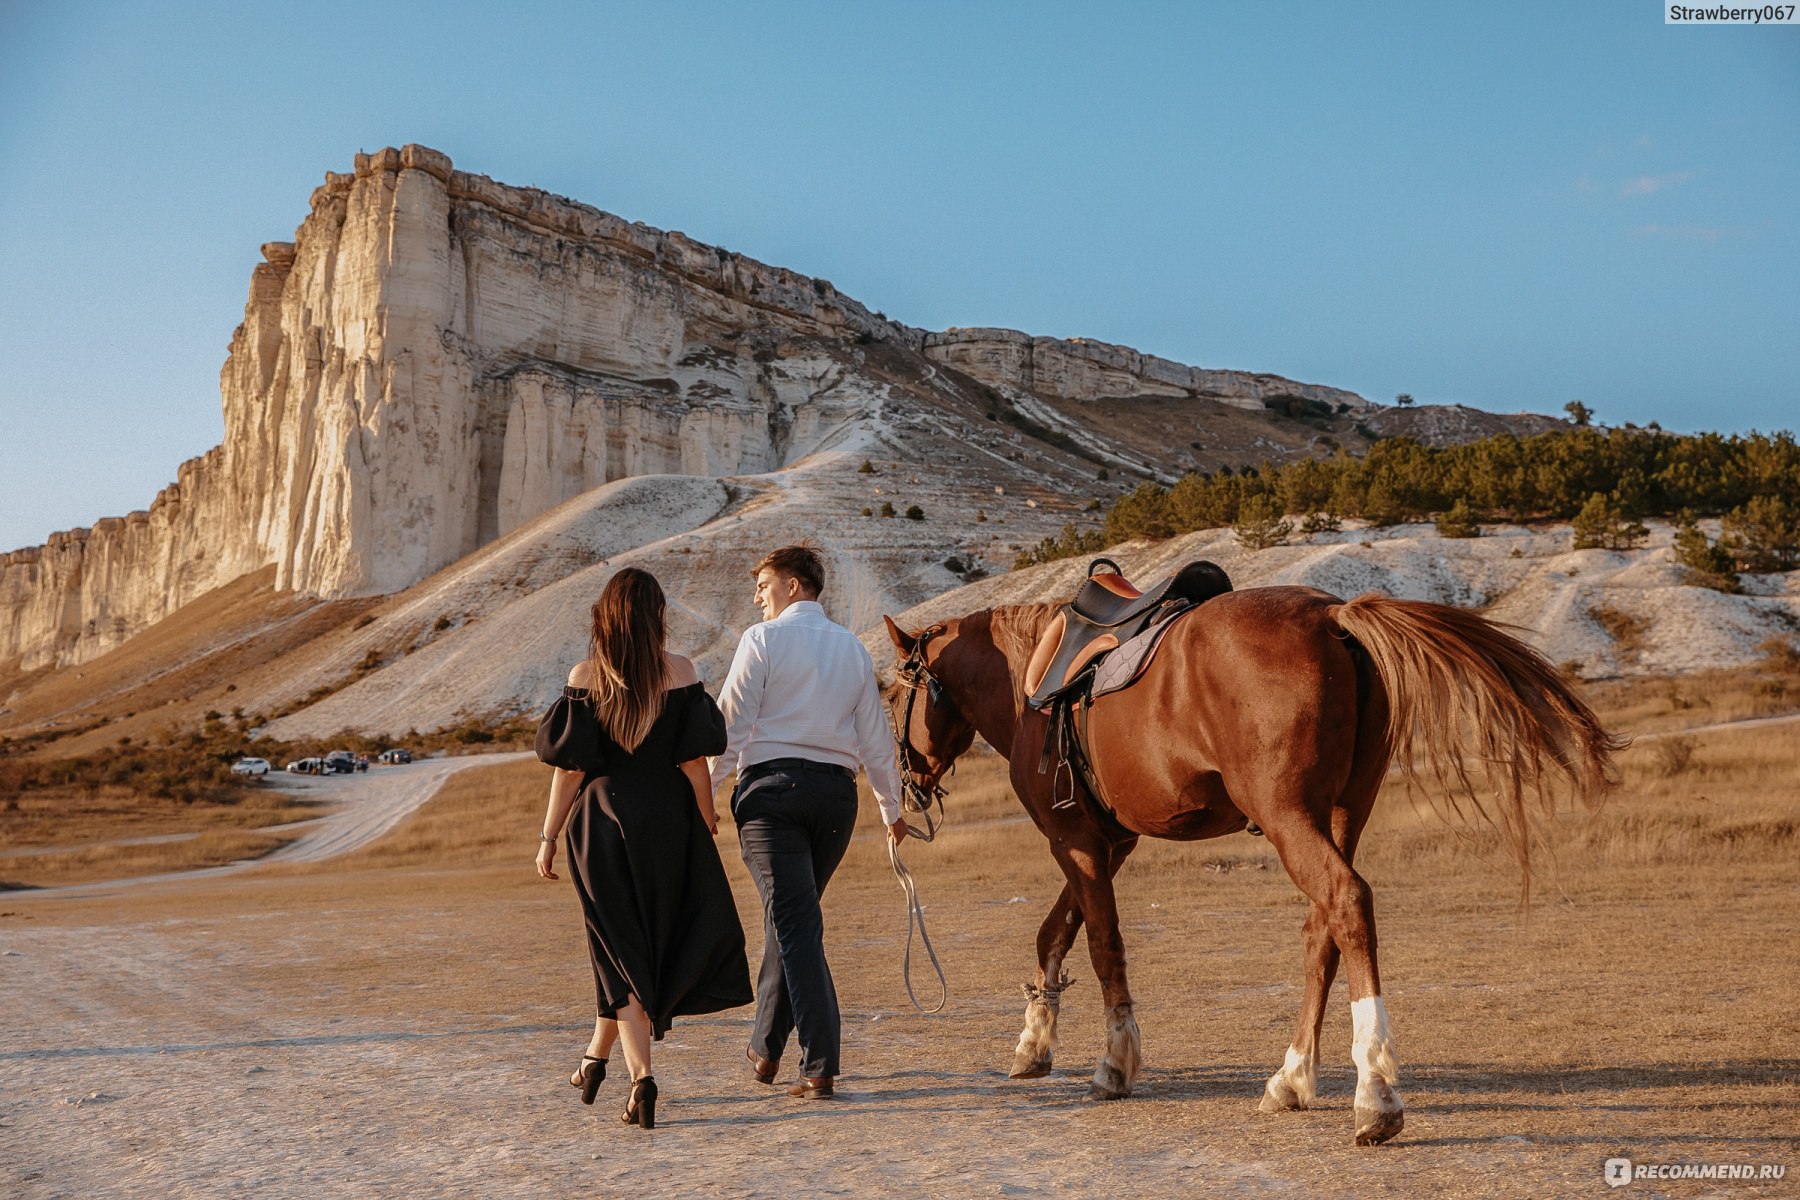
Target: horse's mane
1014, 628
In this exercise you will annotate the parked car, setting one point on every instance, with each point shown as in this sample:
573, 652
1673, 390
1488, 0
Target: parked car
305, 766
250, 766
396, 755
340, 761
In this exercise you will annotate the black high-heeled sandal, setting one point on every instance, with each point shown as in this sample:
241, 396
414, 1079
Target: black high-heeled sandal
587, 1077
641, 1108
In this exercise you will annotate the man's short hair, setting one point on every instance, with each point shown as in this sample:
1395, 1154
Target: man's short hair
798, 562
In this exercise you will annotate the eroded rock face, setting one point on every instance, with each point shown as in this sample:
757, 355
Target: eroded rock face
1079, 369
437, 358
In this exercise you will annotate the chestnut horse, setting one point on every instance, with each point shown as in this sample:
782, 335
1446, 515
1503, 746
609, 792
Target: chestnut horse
1278, 706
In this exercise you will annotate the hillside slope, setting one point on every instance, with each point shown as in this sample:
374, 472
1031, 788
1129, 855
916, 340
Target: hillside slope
1605, 612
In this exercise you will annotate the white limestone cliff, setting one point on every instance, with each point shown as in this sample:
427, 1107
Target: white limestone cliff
436, 359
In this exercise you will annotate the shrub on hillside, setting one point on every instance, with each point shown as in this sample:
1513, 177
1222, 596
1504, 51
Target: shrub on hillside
1261, 524
1764, 534
1704, 563
1321, 522
1072, 544
1603, 524
1459, 522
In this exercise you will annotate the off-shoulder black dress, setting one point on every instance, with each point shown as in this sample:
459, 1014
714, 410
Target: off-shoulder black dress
661, 922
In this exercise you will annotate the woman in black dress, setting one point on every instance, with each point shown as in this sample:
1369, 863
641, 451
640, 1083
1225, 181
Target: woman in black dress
629, 738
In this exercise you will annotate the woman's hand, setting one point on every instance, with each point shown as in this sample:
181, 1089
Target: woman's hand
695, 770
546, 859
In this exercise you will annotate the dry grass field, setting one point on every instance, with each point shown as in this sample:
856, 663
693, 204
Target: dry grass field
66, 836
1655, 705
401, 1021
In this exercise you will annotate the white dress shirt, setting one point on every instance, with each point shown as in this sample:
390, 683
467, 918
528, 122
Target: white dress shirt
803, 686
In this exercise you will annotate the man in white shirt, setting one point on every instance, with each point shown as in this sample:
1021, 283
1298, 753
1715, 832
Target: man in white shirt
802, 710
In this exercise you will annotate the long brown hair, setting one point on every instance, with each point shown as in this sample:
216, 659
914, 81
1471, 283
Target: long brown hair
626, 668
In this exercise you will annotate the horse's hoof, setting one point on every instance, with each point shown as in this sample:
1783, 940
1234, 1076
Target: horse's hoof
1029, 1068
1109, 1084
1279, 1096
1375, 1126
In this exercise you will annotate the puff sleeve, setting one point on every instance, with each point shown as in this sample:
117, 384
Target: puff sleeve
702, 730
569, 736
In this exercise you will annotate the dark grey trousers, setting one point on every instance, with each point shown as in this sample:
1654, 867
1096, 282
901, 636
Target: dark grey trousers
794, 825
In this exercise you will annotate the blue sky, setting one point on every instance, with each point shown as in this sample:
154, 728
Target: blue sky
1505, 205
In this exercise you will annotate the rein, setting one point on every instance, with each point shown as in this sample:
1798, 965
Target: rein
916, 797
915, 914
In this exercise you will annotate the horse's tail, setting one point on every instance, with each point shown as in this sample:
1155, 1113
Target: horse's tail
1459, 686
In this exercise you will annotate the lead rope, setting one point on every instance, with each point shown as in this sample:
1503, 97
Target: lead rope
915, 916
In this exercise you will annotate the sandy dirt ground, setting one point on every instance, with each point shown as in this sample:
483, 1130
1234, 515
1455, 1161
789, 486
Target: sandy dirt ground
340, 1030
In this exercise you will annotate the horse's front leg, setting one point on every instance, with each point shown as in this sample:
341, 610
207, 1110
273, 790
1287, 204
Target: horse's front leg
1090, 866
1037, 1044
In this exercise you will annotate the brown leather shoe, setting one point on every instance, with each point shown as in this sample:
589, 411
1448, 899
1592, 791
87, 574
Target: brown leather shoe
809, 1088
762, 1068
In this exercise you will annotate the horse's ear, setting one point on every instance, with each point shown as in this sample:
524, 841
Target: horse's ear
903, 641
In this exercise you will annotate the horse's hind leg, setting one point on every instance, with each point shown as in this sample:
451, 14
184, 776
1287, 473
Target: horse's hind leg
1037, 1044
1323, 873
1295, 1085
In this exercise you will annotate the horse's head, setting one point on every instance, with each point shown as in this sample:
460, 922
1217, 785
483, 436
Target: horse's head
930, 730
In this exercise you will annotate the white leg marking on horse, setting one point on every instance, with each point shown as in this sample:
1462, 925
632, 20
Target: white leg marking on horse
1379, 1113
1039, 1036
1037, 1043
1124, 1055
1295, 1086
1373, 1049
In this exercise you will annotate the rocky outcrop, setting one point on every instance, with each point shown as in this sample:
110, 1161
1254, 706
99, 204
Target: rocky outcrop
1451, 424
1079, 369
437, 358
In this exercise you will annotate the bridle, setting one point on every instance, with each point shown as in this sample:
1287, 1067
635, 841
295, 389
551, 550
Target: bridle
916, 796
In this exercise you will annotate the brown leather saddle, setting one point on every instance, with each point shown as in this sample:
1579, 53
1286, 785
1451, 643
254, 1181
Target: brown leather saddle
1106, 613
1101, 642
